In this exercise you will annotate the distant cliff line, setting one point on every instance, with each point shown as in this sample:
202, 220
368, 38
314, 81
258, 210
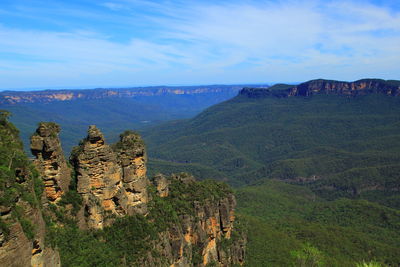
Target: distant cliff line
326, 87
16, 97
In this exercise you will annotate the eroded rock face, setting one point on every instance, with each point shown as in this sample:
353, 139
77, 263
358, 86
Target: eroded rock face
132, 159
198, 239
17, 250
50, 161
161, 183
22, 228
327, 87
111, 182
360, 87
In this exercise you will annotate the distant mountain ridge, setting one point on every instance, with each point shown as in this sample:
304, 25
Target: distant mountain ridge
16, 97
321, 86
113, 109
341, 142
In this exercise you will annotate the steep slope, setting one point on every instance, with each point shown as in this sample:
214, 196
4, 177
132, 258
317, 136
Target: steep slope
105, 211
22, 226
110, 183
113, 215
50, 160
341, 139
327, 87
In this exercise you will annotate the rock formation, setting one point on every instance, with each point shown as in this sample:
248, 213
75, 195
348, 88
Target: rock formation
360, 87
161, 183
50, 161
132, 158
110, 182
22, 227
315, 87
17, 249
204, 235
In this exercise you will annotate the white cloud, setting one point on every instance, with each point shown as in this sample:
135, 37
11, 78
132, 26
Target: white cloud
209, 43
113, 6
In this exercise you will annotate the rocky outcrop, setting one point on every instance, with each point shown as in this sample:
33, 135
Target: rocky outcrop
183, 222
50, 161
18, 250
204, 235
111, 182
360, 87
132, 158
328, 87
22, 227
161, 183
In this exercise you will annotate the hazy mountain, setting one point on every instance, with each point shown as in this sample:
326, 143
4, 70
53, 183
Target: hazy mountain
114, 110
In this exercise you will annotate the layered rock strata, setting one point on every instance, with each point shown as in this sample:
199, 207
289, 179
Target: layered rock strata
22, 227
327, 87
17, 250
50, 161
203, 237
111, 182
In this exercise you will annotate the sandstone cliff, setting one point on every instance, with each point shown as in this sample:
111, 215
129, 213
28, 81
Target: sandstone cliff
46, 96
168, 221
22, 228
111, 182
50, 161
194, 220
206, 233
328, 87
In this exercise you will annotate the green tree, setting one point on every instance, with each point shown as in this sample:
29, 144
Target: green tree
308, 256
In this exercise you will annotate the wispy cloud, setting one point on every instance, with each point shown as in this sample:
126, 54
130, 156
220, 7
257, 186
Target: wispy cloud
113, 6
176, 42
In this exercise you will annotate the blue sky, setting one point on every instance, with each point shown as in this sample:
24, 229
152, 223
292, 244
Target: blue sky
54, 44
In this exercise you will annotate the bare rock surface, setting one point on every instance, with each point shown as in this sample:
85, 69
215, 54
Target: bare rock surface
111, 181
50, 160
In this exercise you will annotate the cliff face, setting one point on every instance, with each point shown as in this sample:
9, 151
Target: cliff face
361, 87
205, 232
315, 87
15, 97
110, 182
171, 221
113, 183
50, 161
22, 228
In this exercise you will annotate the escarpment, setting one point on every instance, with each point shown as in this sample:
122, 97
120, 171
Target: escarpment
50, 161
328, 87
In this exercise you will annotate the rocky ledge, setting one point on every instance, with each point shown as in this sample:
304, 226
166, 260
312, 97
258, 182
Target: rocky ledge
327, 87
206, 233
